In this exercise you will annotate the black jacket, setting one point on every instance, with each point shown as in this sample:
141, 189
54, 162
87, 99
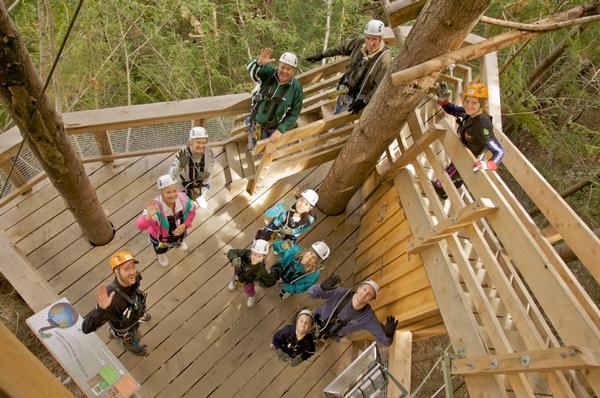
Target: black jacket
285, 340
121, 314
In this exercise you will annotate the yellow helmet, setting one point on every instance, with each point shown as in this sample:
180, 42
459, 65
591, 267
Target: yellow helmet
121, 258
477, 90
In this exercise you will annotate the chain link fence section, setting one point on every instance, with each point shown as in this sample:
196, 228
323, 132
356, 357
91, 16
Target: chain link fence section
122, 141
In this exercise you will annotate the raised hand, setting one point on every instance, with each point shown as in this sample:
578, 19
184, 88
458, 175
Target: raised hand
443, 92
390, 327
265, 56
103, 298
331, 282
151, 209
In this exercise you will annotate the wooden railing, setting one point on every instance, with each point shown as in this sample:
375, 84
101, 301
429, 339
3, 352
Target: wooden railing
502, 290
319, 85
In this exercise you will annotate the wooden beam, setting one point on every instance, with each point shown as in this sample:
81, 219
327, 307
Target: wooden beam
24, 278
22, 374
546, 360
402, 11
22, 189
432, 134
465, 216
263, 167
400, 361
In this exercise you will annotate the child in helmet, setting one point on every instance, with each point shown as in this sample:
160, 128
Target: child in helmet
296, 343
474, 128
291, 217
249, 267
299, 268
167, 218
193, 164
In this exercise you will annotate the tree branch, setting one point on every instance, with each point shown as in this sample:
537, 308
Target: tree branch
539, 27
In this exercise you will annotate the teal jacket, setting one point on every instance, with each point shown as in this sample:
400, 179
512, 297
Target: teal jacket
295, 278
287, 111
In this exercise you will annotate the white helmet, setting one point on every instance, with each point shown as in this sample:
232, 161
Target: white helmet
311, 196
321, 249
373, 284
260, 246
374, 28
289, 58
198, 132
306, 312
165, 181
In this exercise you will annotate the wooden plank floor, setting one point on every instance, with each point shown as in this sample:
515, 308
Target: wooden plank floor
203, 340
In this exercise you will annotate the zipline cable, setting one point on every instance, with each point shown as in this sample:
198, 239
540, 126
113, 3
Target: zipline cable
37, 101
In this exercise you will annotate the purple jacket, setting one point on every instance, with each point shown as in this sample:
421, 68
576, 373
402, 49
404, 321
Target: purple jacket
365, 320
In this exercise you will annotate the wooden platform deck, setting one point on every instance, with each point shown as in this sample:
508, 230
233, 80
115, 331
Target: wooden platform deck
203, 340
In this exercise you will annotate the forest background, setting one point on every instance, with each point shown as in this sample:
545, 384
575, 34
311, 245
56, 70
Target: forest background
125, 52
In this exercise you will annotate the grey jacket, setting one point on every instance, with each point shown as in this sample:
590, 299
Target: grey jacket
365, 320
180, 164
365, 72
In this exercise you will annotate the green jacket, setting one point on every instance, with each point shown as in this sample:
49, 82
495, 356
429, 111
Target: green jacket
248, 272
364, 73
286, 112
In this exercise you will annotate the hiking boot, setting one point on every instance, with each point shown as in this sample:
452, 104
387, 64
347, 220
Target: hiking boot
135, 347
183, 246
146, 317
251, 301
163, 260
233, 284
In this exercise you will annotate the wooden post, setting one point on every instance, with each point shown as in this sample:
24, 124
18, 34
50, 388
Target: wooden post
104, 145
400, 361
263, 167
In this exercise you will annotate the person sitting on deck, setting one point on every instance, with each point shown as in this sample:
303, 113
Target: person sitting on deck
346, 311
291, 217
193, 165
370, 59
298, 268
277, 104
249, 267
122, 304
474, 128
167, 218
296, 343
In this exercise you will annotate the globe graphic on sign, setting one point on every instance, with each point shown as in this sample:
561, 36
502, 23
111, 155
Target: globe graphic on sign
62, 315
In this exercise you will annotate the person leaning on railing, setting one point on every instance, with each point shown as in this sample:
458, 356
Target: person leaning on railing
276, 105
370, 59
475, 130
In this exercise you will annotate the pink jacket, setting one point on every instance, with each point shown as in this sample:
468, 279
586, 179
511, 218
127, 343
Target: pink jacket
159, 222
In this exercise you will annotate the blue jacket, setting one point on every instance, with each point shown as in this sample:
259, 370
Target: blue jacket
282, 213
295, 278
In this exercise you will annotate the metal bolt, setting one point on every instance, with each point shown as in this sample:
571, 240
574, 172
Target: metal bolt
494, 363
525, 361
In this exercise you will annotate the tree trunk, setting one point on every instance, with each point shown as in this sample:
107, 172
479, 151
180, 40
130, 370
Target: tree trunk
20, 86
565, 252
440, 27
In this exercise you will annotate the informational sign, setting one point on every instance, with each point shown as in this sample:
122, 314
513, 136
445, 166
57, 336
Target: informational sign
85, 357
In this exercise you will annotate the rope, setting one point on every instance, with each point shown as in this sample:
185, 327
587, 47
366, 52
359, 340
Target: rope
414, 394
36, 105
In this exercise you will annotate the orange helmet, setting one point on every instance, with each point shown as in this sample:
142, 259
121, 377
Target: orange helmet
121, 258
477, 90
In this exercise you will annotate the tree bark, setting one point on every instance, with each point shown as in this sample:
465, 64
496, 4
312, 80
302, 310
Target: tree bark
440, 27
565, 252
20, 88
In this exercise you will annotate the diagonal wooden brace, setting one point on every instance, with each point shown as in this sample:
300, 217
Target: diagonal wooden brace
466, 216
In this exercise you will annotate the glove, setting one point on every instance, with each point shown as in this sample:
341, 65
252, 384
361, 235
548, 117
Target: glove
485, 165
390, 327
296, 360
443, 92
286, 244
331, 282
357, 106
314, 58
237, 264
283, 356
